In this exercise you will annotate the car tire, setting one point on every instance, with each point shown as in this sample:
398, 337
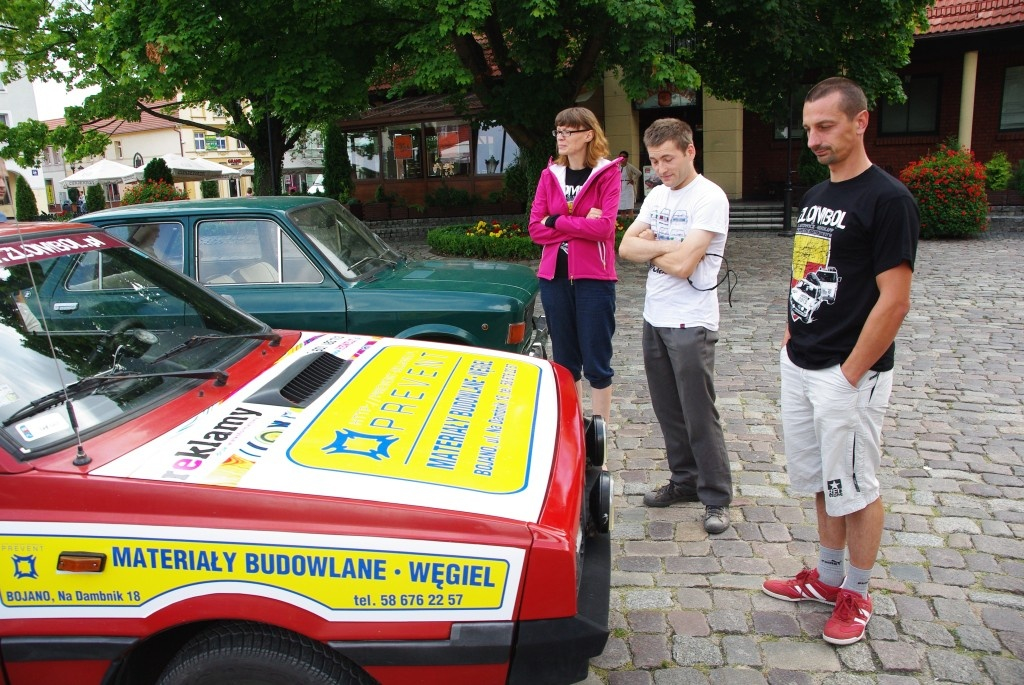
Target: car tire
238, 653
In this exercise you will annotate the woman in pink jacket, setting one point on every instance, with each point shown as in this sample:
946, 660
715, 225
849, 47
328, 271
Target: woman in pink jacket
573, 219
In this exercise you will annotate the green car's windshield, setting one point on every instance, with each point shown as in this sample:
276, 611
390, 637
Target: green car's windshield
96, 307
353, 249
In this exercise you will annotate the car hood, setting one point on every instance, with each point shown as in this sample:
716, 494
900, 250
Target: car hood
512, 280
406, 422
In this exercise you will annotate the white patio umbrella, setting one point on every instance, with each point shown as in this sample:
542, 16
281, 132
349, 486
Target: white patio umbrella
187, 169
296, 164
103, 171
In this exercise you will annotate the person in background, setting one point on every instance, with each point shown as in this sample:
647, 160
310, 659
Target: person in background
631, 179
853, 259
573, 220
681, 231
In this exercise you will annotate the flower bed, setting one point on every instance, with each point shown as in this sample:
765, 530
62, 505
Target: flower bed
509, 240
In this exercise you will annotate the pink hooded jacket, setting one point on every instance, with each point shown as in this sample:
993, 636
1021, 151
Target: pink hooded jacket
591, 241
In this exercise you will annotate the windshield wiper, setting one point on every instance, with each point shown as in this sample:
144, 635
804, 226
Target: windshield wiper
197, 340
91, 384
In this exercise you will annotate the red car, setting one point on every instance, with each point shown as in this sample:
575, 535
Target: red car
187, 496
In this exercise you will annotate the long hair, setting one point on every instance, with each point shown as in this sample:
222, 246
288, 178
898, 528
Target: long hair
583, 118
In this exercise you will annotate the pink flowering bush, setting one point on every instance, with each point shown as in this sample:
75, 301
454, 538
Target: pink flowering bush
949, 186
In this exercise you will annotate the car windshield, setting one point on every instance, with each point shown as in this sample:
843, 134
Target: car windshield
84, 305
353, 249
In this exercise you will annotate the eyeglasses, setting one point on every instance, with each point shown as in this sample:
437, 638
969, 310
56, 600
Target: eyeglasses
566, 134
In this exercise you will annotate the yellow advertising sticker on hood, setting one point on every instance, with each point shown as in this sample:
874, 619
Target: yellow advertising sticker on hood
429, 415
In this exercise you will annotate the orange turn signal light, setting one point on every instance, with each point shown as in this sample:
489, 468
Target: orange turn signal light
516, 333
81, 562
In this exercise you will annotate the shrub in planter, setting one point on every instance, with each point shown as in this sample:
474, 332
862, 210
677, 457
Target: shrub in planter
484, 241
209, 188
95, 198
998, 172
151, 191
949, 186
25, 208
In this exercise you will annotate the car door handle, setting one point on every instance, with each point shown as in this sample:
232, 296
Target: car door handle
65, 306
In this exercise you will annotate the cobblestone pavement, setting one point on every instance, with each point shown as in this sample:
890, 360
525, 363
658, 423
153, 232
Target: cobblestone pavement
948, 587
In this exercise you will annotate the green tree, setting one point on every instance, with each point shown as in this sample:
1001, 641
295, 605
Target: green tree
95, 199
209, 188
337, 168
157, 171
273, 70
527, 59
25, 208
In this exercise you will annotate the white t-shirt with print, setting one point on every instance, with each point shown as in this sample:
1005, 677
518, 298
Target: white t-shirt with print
673, 302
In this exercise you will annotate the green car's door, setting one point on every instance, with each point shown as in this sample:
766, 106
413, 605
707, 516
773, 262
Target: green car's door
259, 266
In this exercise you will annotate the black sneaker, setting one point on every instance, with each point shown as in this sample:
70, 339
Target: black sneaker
716, 520
670, 493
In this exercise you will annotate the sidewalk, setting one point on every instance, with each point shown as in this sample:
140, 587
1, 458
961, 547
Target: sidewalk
948, 587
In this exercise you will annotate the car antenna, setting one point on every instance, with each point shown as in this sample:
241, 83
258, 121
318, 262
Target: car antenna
81, 458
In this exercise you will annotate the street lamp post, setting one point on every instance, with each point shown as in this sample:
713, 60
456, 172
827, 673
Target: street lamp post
787, 191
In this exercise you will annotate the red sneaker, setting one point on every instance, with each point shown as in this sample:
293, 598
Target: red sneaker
849, 620
805, 586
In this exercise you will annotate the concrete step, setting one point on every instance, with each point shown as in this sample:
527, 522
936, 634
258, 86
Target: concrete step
755, 216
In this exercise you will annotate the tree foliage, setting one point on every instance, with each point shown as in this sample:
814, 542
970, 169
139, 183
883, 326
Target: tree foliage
25, 208
273, 69
337, 168
95, 198
760, 51
157, 171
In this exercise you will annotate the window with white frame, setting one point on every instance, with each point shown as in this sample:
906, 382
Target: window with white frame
1011, 114
5, 118
118, 150
222, 143
200, 141
239, 145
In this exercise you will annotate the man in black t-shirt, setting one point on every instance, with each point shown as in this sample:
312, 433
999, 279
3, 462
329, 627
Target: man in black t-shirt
853, 258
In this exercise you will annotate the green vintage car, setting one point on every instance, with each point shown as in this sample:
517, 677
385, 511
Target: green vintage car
307, 263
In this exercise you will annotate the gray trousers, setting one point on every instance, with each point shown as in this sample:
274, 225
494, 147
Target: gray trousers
680, 366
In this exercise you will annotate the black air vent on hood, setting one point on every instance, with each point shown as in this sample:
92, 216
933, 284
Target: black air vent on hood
302, 383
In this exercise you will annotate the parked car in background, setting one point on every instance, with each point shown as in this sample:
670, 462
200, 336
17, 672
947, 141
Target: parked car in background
191, 496
308, 263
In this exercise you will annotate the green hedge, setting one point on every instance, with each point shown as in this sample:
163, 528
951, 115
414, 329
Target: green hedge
453, 241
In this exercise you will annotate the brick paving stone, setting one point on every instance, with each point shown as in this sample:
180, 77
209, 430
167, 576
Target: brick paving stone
692, 623
1004, 671
816, 656
847, 679
649, 651
913, 608
857, 657
887, 679
977, 638
630, 678
779, 676
929, 633
776, 624
728, 621
649, 621
736, 676
691, 651
741, 650
1001, 618
952, 667
954, 611
898, 656
680, 676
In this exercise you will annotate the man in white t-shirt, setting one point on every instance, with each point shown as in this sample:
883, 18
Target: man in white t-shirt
681, 231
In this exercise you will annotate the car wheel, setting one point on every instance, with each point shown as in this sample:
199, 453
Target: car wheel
240, 653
